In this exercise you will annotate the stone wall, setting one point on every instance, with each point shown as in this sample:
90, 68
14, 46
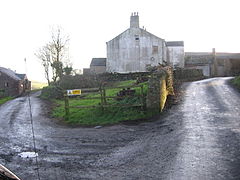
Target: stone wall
188, 74
123, 76
159, 87
97, 69
153, 94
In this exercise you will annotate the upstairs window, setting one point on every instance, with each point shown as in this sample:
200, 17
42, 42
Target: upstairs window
155, 49
136, 37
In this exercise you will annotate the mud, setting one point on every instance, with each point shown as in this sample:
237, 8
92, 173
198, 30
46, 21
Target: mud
196, 139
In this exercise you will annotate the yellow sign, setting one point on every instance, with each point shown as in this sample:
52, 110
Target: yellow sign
163, 94
74, 92
166, 88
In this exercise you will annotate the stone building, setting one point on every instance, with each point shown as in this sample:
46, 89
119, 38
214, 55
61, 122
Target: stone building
200, 60
175, 53
135, 49
98, 65
13, 84
214, 63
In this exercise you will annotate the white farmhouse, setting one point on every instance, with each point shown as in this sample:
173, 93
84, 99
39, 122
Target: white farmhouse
135, 49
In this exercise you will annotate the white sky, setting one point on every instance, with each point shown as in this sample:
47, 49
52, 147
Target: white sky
25, 26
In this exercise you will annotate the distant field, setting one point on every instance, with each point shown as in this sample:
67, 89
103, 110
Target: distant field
38, 85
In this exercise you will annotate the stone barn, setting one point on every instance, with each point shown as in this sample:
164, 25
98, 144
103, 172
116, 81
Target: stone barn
135, 49
98, 65
200, 60
214, 63
228, 64
13, 84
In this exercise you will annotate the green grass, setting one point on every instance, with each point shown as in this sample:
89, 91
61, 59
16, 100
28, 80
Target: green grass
5, 99
236, 82
111, 115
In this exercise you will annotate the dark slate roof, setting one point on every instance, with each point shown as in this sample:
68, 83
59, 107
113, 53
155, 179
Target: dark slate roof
198, 53
21, 76
175, 43
98, 62
219, 55
10, 73
228, 55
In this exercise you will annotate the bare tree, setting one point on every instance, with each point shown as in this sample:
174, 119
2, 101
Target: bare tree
53, 55
44, 55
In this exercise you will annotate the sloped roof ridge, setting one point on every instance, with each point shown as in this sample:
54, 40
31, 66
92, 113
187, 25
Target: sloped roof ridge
10, 73
138, 28
98, 62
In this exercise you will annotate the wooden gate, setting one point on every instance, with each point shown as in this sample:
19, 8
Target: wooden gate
104, 98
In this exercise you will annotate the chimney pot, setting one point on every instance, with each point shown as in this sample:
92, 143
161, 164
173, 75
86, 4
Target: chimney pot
134, 21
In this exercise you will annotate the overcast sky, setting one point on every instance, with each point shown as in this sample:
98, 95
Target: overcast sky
26, 26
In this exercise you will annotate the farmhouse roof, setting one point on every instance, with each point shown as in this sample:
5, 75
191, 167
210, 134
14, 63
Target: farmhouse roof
141, 30
21, 76
11, 73
98, 62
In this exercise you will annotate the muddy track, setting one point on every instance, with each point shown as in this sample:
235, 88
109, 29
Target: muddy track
196, 139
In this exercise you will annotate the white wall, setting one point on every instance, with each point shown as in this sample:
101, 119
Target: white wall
176, 56
126, 54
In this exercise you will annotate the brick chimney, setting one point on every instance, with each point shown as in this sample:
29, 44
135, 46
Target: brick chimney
134, 20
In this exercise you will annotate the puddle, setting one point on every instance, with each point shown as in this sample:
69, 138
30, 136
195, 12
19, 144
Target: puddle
28, 155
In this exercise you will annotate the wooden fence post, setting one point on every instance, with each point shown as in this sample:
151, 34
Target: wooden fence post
101, 92
104, 96
142, 98
66, 99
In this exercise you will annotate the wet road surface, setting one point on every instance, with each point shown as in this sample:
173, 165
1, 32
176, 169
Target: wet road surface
197, 139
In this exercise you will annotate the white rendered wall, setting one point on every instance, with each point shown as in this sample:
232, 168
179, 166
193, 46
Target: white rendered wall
176, 56
126, 54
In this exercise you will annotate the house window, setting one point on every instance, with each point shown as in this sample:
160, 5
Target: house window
6, 84
136, 37
155, 49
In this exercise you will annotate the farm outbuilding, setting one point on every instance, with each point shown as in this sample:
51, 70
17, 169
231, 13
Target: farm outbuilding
12, 83
214, 63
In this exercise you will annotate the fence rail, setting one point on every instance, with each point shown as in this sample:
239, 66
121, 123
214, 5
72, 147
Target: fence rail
103, 99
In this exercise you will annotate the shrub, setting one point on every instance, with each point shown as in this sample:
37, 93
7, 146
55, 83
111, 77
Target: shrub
79, 81
236, 82
95, 80
2, 93
52, 92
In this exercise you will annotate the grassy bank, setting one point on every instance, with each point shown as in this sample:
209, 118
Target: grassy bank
5, 99
236, 82
111, 115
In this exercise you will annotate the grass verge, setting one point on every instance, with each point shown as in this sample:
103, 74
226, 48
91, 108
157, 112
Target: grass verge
236, 82
5, 99
110, 115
